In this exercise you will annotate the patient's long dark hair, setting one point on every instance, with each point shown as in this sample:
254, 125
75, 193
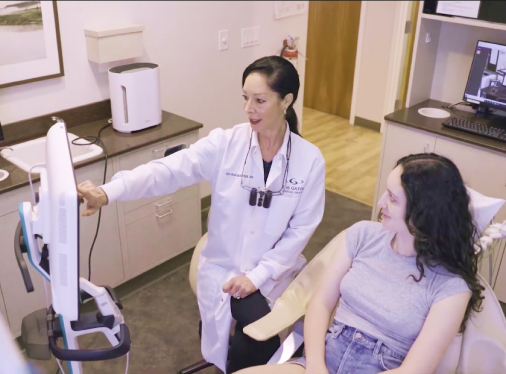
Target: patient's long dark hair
439, 217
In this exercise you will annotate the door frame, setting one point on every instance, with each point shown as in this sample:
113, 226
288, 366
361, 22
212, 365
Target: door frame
395, 60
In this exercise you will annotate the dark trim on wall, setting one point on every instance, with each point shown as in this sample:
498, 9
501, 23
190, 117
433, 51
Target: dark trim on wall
371, 125
205, 202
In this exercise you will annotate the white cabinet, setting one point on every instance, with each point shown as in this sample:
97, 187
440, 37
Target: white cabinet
398, 142
154, 230
499, 280
155, 234
3, 311
18, 302
482, 170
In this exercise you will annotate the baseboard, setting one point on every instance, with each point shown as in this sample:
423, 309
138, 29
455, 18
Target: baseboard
368, 124
205, 202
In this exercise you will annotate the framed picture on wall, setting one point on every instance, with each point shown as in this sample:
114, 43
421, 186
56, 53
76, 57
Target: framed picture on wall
30, 47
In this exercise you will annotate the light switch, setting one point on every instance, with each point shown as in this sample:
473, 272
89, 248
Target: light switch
223, 40
250, 36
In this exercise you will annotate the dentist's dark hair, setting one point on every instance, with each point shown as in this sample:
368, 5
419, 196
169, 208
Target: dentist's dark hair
438, 216
282, 77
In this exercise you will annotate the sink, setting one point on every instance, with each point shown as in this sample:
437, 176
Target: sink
26, 155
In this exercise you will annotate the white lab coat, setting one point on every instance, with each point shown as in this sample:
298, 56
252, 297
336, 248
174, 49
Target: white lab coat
263, 244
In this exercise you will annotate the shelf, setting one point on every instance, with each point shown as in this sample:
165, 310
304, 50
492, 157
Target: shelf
466, 21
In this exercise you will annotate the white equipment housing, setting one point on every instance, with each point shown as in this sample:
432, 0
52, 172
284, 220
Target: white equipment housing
135, 96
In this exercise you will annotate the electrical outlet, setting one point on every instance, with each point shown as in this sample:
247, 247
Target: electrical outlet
223, 40
250, 36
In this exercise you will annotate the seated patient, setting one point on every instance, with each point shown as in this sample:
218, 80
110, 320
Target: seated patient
406, 286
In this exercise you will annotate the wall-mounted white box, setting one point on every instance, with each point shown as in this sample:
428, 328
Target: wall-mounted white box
107, 44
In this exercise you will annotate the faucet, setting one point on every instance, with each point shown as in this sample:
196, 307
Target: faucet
57, 119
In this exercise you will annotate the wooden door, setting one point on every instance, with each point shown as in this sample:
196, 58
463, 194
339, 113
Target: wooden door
331, 51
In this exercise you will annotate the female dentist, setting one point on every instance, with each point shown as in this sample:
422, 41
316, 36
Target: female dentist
268, 190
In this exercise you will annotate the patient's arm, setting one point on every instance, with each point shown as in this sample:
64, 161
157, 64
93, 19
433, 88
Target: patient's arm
320, 308
440, 328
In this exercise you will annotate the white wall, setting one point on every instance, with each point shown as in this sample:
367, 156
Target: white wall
197, 81
378, 28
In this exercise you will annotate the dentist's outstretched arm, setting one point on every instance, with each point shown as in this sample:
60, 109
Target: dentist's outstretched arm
95, 197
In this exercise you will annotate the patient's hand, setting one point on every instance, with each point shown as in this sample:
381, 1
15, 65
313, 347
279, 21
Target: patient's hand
95, 197
239, 287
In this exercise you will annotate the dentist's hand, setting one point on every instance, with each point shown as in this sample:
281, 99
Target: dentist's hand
239, 287
95, 197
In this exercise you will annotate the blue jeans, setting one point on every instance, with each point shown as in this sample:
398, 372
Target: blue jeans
350, 351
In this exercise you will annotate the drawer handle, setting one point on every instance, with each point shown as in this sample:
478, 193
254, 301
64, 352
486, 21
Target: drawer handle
159, 150
166, 214
165, 203
167, 151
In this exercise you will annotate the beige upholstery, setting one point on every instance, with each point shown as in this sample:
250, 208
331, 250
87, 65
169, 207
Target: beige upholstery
292, 305
194, 264
481, 349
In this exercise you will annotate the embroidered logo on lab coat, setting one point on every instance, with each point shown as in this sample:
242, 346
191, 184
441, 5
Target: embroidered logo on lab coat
294, 186
296, 182
238, 175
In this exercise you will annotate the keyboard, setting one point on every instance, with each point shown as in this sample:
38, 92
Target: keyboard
476, 128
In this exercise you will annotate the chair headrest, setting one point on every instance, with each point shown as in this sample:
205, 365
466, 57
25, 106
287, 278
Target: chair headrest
483, 208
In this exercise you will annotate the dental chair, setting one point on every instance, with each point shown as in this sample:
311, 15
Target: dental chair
480, 349
201, 365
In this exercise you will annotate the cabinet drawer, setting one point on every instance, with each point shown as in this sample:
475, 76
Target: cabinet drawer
130, 206
154, 151
161, 205
143, 156
161, 234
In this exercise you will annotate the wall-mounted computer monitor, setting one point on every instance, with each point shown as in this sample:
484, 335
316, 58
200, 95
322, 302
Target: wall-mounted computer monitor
486, 85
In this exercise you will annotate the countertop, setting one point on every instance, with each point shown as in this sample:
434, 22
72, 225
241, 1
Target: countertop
116, 143
411, 118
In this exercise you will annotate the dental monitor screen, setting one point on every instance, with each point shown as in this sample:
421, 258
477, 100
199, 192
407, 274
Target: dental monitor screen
486, 85
62, 212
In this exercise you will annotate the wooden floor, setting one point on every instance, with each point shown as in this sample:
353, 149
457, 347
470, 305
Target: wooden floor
351, 154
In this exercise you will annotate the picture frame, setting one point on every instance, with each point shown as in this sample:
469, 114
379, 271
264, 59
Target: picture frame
30, 45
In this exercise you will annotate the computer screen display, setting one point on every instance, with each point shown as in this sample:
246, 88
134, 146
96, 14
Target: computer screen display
486, 84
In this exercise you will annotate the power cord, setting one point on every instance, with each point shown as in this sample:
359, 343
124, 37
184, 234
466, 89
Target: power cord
452, 105
95, 140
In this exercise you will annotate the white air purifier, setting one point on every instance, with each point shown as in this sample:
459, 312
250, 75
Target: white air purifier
135, 96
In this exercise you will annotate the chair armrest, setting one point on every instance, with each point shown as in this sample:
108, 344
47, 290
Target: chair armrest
285, 313
292, 304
